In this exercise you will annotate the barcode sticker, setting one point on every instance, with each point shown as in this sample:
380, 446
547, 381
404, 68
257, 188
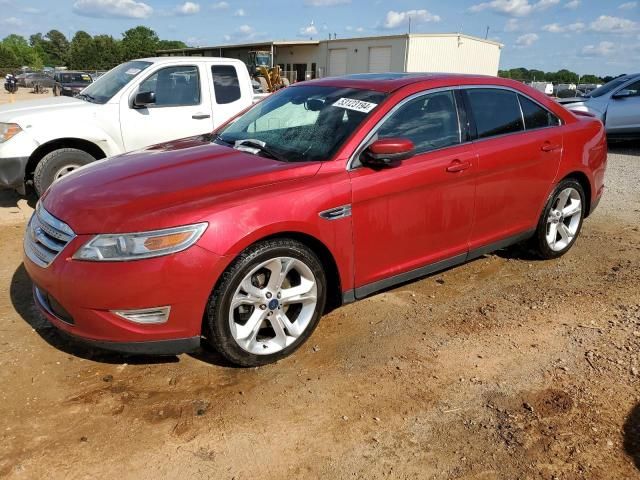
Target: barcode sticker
357, 105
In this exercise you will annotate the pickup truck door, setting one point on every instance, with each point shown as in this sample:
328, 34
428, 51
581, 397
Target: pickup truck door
183, 107
623, 113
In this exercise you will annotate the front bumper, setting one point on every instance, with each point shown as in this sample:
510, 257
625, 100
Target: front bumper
79, 298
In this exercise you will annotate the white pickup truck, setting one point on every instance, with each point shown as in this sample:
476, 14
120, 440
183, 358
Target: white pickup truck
137, 104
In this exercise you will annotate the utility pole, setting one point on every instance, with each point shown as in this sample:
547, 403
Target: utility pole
486, 35
409, 23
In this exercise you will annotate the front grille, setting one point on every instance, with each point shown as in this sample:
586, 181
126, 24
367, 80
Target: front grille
46, 237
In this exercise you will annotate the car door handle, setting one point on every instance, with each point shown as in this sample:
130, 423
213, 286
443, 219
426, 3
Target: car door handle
548, 147
458, 166
200, 116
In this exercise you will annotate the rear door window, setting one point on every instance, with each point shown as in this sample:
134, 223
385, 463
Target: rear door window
225, 84
536, 116
496, 111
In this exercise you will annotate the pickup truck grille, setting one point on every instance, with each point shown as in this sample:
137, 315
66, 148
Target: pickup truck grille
46, 237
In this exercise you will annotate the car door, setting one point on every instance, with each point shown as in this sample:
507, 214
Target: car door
623, 111
519, 145
419, 212
182, 107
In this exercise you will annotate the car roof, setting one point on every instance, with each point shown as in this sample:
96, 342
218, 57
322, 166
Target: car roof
389, 82
189, 59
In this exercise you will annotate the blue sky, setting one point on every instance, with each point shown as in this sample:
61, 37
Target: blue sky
586, 36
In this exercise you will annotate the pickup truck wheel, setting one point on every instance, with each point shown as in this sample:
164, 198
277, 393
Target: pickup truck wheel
267, 303
561, 220
56, 165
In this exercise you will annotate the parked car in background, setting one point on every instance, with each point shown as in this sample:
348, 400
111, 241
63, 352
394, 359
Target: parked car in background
616, 104
38, 78
21, 79
323, 193
137, 104
69, 84
544, 87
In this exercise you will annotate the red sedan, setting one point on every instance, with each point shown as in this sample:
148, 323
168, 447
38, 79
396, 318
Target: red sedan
323, 193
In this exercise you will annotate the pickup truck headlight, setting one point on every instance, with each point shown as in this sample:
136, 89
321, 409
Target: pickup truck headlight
136, 246
8, 130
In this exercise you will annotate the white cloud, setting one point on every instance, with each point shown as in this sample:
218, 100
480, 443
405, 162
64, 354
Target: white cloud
240, 13
514, 8
220, 6
11, 22
308, 31
325, 3
628, 6
609, 24
527, 39
603, 49
349, 28
188, 8
557, 28
31, 10
399, 19
512, 25
244, 33
573, 4
112, 9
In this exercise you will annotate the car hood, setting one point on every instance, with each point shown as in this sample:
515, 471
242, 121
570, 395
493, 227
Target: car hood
167, 185
31, 110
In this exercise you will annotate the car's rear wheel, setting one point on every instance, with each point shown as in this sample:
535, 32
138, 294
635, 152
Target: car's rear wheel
561, 220
56, 165
267, 303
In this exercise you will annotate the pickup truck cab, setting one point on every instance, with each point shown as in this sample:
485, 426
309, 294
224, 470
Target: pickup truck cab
136, 104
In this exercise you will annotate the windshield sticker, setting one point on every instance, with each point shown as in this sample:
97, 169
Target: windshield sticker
86, 78
357, 105
132, 71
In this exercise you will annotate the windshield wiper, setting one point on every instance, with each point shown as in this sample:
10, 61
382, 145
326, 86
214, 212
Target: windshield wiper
260, 146
218, 139
87, 97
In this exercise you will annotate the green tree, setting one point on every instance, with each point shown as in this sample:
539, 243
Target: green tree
8, 59
37, 42
108, 52
138, 42
83, 54
170, 44
57, 48
23, 52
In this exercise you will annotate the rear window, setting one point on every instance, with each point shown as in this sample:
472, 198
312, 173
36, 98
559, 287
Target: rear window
496, 112
536, 116
225, 84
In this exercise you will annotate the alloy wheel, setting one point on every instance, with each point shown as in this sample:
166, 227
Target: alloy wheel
273, 305
564, 219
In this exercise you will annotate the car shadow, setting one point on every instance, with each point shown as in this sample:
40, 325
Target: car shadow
21, 296
629, 147
631, 435
10, 198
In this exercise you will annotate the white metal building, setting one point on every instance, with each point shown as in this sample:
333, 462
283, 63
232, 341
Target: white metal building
414, 52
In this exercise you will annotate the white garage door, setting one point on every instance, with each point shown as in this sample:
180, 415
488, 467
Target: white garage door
337, 62
379, 59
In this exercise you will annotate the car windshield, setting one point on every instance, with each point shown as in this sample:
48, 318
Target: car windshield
75, 78
607, 87
301, 123
104, 88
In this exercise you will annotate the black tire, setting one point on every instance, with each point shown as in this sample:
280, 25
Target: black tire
47, 168
216, 328
539, 243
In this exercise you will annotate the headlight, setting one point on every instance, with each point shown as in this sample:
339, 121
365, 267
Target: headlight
135, 246
8, 130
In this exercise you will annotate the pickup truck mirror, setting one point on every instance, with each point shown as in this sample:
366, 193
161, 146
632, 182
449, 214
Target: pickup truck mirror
143, 99
387, 152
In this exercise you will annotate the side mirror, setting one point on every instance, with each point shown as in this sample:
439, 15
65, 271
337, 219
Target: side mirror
144, 99
387, 152
623, 94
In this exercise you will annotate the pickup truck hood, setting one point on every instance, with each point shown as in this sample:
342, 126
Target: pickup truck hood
25, 113
166, 185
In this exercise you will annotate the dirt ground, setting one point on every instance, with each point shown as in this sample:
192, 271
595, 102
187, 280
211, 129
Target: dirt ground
504, 368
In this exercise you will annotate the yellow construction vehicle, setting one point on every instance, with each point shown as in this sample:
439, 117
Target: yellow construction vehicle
269, 77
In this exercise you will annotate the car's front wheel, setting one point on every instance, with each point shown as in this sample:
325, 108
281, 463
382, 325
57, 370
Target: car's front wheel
267, 303
561, 220
56, 165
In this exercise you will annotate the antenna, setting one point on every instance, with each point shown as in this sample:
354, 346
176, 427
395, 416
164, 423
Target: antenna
409, 23
486, 35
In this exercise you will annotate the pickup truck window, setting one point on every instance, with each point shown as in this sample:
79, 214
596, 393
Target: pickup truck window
103, 89
176, 86
302, 123
225, 84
